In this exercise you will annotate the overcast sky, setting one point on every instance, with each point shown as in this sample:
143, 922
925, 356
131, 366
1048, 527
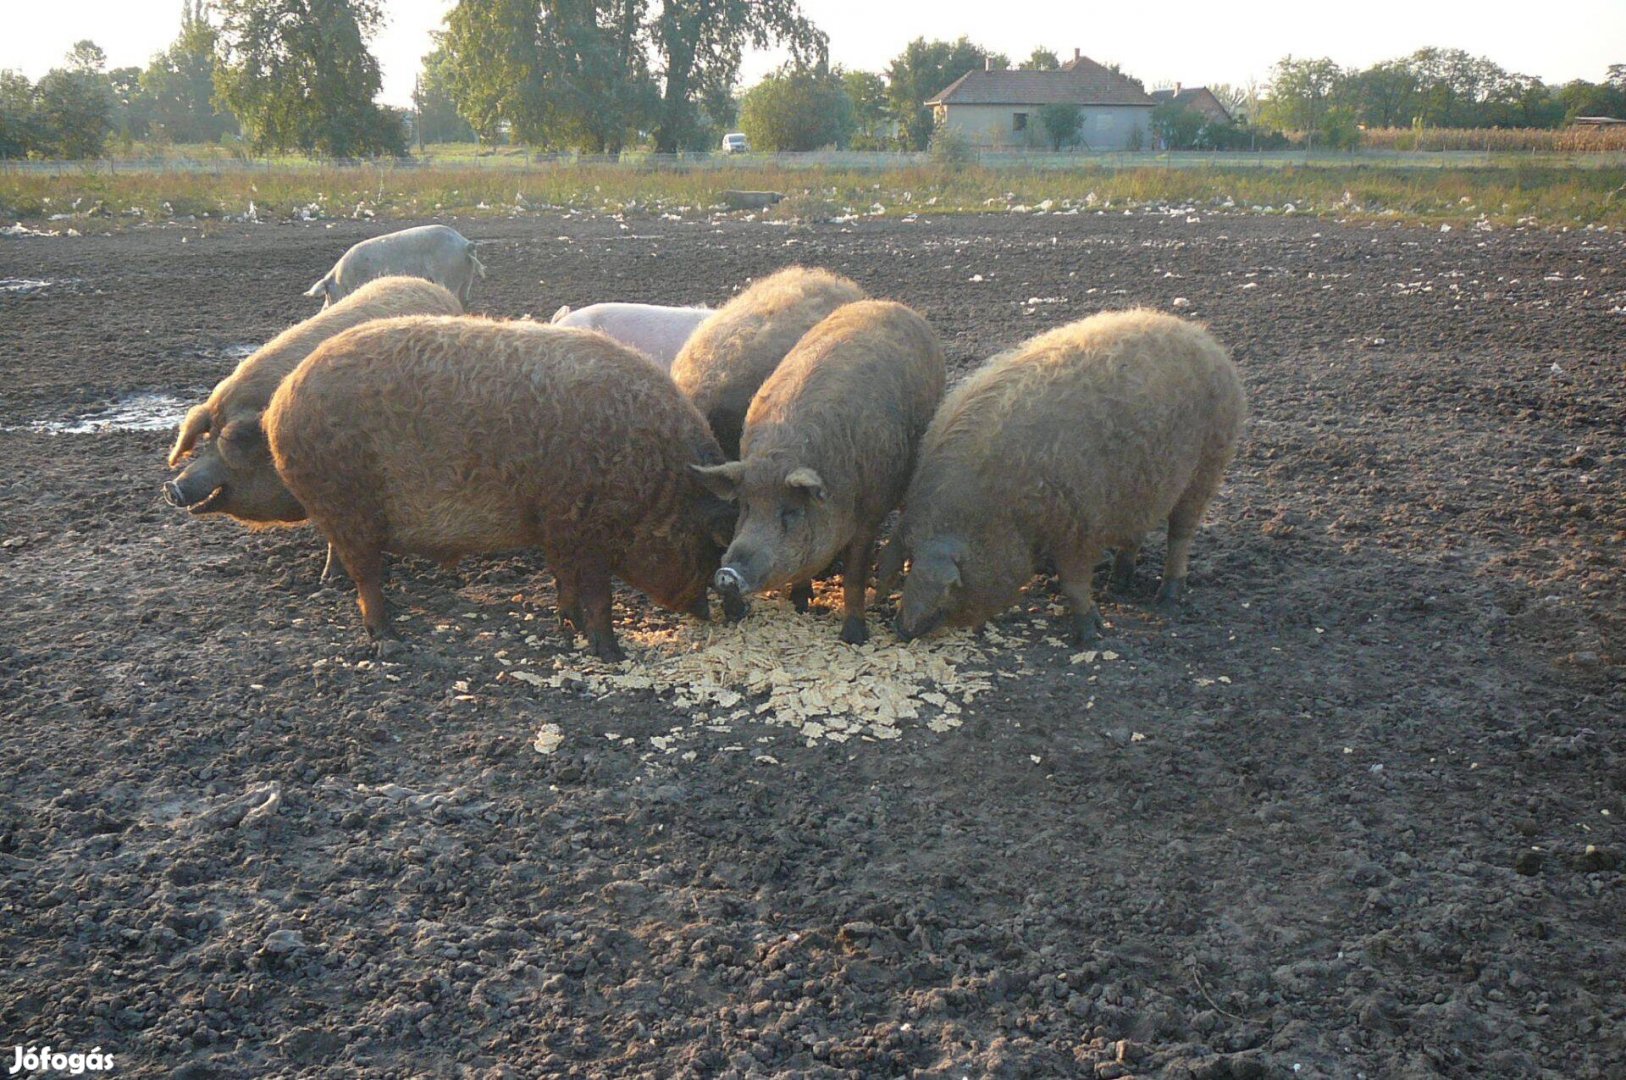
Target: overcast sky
1172, 40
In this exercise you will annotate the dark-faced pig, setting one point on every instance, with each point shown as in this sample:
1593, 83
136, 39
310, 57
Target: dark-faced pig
828, 449
230, 470
447, 437
1082, 439
721, 366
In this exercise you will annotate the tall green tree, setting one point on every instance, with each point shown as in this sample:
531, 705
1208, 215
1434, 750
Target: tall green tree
73, 105
298, 74
872, 119
1041, 59
435, 103
132, 109
19, 131
923, 70
699, 45
179, 83
797, 109
560, 73
1302, 92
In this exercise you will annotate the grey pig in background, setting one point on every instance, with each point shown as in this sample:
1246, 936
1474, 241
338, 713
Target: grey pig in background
438, 253
828, 448
1081, 439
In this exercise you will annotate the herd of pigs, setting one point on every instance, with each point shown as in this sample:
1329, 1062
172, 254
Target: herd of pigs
736, 450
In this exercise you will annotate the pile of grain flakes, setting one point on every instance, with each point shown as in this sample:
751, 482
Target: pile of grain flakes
785, 669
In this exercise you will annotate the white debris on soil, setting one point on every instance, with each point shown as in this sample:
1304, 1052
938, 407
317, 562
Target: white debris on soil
548, 737
785, 669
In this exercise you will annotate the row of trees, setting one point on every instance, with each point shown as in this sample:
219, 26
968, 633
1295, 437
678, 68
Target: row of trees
287, 74
601, 75
74, 109
1431, 88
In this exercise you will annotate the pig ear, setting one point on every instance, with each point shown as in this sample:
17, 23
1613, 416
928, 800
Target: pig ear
195, 424
807, 482
722, 480
243, 435
561, 313
945, 556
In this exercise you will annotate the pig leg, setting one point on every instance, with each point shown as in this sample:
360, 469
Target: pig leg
855, 576
570, 606
595, 591
1123, 564
801, 596
1075, 570
584, 586
1183, 521
329, 565
365, 565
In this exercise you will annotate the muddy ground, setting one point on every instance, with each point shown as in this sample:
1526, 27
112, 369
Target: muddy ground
1356, 811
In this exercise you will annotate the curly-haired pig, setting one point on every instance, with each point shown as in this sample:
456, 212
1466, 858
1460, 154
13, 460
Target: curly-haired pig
828, 448
1082, 439
737, 348
447, 437
230, 470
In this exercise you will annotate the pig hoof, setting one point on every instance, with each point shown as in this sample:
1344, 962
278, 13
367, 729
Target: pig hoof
1170, 594
853, 630
1087, 628
389, 648
801, 596
605, 648
570, 619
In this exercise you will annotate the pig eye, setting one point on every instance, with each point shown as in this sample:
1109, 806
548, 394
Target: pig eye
789, 516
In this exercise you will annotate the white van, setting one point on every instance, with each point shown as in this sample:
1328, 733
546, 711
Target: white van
734, 143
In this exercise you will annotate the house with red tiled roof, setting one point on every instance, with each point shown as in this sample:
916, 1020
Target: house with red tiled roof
999, 109
1197, 98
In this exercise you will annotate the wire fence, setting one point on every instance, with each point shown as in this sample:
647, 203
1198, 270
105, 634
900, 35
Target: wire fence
855, 160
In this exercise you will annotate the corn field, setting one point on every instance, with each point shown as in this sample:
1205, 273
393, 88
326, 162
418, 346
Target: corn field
1580, 139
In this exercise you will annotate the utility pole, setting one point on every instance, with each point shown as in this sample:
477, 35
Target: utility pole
417, 114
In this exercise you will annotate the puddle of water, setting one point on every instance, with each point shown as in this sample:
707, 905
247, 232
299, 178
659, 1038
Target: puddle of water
138, 412
23, 286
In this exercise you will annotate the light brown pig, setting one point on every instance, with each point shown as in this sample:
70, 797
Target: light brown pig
1084, 438
447, 437
828, 448
728, 357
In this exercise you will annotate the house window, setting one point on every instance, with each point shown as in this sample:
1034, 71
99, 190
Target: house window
1019, 121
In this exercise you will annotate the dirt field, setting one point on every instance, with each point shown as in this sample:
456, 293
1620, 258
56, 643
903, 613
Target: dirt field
1357, 811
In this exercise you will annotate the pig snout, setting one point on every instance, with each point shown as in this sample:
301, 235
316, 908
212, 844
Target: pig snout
195, 484
730, 580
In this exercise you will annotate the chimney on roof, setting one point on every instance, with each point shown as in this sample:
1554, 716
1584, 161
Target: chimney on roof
1177, 89
1078, 53
988, 63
